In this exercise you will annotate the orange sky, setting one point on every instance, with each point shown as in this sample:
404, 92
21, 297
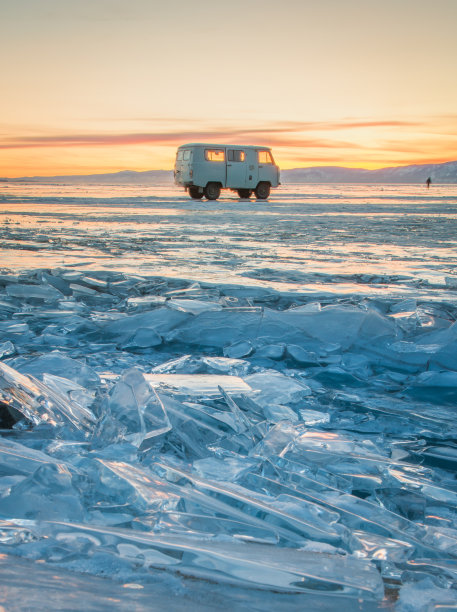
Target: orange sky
107, 85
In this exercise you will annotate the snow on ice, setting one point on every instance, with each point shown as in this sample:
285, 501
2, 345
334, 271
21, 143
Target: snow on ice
207, 442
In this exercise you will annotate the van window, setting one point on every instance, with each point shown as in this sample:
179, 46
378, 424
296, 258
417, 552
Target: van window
179, 155
235, 155
186, 155
216, 155
264, 157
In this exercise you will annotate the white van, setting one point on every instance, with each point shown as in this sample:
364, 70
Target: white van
205, 169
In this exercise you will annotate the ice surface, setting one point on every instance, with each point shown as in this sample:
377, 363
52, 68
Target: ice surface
276, 432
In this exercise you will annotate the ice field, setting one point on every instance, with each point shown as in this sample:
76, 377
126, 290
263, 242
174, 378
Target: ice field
238, 403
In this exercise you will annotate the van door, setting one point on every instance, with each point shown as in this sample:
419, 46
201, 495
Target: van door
267, 170
236, 168
252, 177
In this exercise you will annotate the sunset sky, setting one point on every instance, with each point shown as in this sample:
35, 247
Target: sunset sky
92, 86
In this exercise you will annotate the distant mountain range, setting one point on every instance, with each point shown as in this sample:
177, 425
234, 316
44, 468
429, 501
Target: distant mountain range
439, 173
126, 177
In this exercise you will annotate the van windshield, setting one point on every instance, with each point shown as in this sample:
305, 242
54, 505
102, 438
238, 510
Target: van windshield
265, 157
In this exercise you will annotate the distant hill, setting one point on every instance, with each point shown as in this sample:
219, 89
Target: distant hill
126, 177
439, 173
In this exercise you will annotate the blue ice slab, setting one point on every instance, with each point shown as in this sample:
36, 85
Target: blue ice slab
160, 320
435, 387
228, 561
45, 293
59, 364
17, 459
47, 494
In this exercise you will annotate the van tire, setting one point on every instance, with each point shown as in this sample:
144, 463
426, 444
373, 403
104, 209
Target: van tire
195, 193
244, 193
262, 191
212, 191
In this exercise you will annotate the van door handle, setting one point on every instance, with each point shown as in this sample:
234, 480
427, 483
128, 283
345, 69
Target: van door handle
260, 166
229, 164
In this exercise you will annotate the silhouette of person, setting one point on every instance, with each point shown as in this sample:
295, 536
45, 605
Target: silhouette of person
428, 182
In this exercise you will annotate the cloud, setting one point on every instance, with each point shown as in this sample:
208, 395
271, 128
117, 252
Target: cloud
314, 141
285, 135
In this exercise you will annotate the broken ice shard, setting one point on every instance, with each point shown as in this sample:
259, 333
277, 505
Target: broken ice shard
59, 364
137, 408
25, 396
48, 493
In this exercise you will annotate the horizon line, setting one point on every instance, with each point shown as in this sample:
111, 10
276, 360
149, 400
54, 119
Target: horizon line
357, 168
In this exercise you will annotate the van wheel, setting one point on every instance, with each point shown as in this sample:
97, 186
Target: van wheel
212, 191
195, 194
262, 191
244, 193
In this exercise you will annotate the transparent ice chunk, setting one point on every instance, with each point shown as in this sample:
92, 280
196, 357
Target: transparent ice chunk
227, 468
17, 459
39, 403
198, 384
344, 325
46, 494
142, 338
313, 417
160, 320
238, 502
276, 388
137, 408
6, 349
436, 387
128, 486
301, 356
271, 351
145, 302
19, 333
75, 393
194, 307
425, 596
261, 566
59, 364
239, 349
277, 412
46, 293
188, 364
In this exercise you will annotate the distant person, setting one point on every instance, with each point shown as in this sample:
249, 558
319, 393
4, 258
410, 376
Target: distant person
428, 182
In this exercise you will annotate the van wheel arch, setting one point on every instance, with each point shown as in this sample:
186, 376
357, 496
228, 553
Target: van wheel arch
262, 191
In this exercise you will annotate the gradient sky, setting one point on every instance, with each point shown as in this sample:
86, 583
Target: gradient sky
93, 86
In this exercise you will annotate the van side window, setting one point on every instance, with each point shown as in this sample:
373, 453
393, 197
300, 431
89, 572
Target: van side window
186, 155
264, 157
235, 155
216, 155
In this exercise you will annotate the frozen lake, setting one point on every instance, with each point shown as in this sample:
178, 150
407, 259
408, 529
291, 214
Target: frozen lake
238, 403
325, 238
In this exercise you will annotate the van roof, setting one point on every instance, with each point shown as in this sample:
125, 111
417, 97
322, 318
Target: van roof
221, 146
